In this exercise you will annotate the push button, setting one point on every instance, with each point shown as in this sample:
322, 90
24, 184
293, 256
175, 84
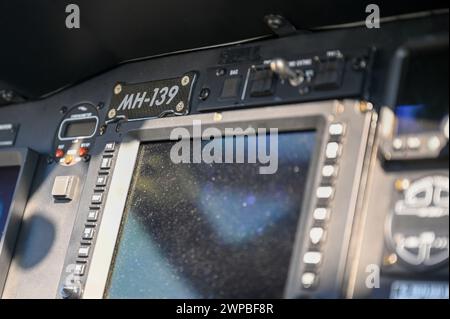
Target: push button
312, 258
97, 198
336, 130
101, 180
231, 87
329, 75
64, 187
92, 216
332, 151
59, 153
413, 143
88, 233
106, 163
308, 280
79, 269
68, 159
321, 214
262, 83
329, 171
83, 251
110, 147
316, 235
83, 151
325, 192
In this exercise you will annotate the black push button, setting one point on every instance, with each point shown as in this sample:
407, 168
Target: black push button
329, 75
231, 87
262, 83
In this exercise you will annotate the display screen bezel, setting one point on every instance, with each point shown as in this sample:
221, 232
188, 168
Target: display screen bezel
295, 117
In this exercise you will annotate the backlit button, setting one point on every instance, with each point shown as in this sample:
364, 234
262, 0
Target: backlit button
312, 258
397, 144
97, 198
329, 171
110, 147
83, 151
59, 153
316, 235
325, 192
336, 129
321, 214
101, 180
332, 150
88, 233
308, 279
79, 269
83, 251
106, 163
413, 143
92, 216
434, 144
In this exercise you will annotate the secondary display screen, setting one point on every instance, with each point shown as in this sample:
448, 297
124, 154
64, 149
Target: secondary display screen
423, 98
82, 128
8, 180
210, 230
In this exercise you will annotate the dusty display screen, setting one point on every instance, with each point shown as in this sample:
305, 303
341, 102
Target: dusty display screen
8, 180
210, 230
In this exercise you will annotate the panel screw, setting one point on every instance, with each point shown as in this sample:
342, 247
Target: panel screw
217, 117
102, 129
63, 110
179, 107
359, 64
112, 113
402, 184
185, 80
204, 94
100, 105
220, 72
274, 21
117, 89
304, 90
365, 107
390, 259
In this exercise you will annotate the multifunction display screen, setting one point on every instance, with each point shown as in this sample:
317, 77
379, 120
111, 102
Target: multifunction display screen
8, 180
212, 230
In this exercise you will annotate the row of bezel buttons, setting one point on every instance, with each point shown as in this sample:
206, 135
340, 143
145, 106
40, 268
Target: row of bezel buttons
325, 192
